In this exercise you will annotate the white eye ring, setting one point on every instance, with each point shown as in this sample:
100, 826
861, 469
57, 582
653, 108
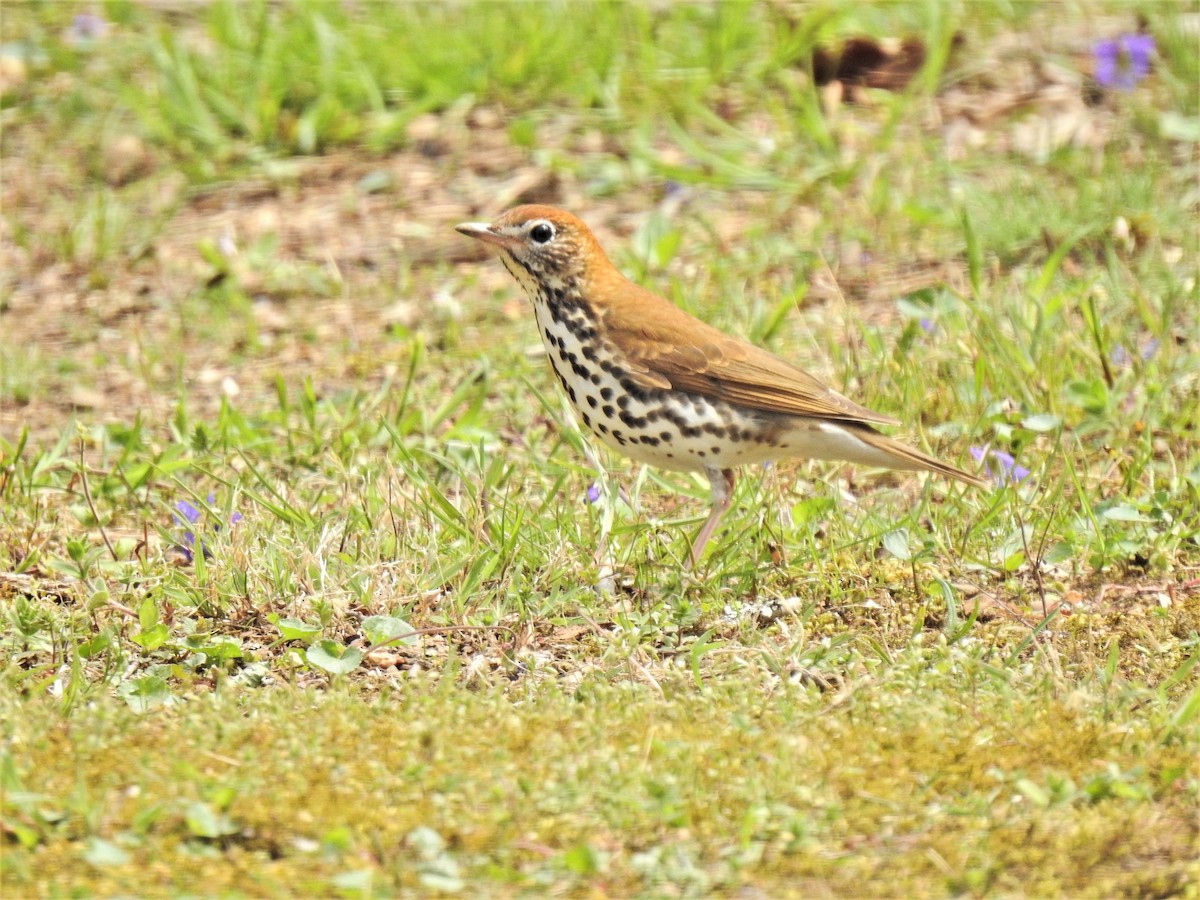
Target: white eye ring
541, 232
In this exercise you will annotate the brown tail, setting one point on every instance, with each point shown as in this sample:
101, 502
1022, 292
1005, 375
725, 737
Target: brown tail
914, 460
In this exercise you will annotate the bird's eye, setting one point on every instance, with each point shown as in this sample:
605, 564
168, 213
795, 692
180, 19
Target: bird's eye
541, 232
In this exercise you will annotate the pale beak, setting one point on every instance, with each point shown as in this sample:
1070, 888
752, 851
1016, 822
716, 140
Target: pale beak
483, 232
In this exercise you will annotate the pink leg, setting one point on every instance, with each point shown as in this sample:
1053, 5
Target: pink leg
722, 481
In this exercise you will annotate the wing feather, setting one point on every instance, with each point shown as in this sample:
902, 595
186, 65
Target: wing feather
690, 355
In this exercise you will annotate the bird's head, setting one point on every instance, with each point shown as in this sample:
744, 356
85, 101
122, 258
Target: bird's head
540, 243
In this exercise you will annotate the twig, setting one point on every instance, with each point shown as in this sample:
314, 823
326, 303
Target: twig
1035, 562
92, 506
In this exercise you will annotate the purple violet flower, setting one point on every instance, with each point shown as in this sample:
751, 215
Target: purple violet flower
186, 513
593, 492
927, 325
86, 28
1005, 470
1123, 61
1119, 356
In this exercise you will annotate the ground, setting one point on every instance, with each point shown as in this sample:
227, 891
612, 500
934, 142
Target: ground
305, 590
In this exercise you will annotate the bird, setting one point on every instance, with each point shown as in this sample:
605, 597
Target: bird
664, 388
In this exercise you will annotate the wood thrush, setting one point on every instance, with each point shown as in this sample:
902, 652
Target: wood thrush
666, 389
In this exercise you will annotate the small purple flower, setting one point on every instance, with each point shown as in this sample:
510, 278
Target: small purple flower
190, 513
1005, 470
1123, 61
927, 325
187, 513
593, 492
1119, 356
86, 28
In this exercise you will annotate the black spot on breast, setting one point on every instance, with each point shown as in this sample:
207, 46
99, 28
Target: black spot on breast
633, 421
608, 410
665, 435
650, 440
631, 388
715, 449
688, 431
570, 392
591, 401
588, 349
606, 393
603, 428
595, 378
587, 422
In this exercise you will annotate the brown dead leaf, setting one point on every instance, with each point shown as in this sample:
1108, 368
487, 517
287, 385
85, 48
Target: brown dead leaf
864, 62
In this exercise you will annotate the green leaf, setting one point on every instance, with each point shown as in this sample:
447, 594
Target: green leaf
1124, 513
1175, 126
355, 881
1041, 422
211, 254
442, 874
152, 638
1188, 710
582, 859
896, 543
1035, 794
205, 822
297, 630
1058, 552
333, 657
222, 646
97, 643
702, 646
101, 853
145, 692
1092, 395
388, 630
148, 614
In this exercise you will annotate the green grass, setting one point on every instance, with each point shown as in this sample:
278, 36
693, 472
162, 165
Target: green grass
229, 272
